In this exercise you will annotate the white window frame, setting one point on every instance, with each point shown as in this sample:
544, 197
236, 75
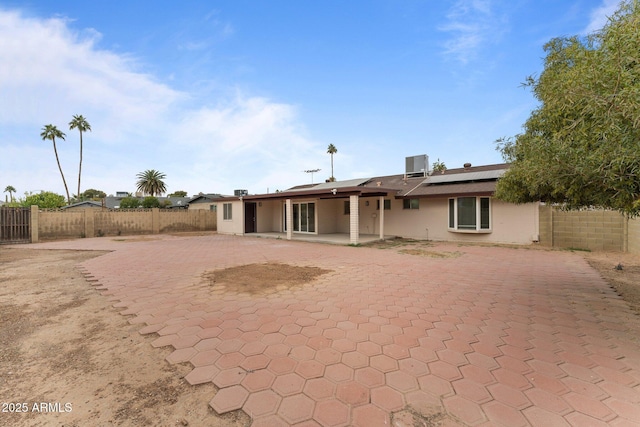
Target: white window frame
453, 201
227, 214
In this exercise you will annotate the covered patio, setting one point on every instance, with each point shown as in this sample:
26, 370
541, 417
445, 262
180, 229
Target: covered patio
327, 212
332, 238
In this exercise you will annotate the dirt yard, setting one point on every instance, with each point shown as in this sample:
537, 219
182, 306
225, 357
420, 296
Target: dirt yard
62, 361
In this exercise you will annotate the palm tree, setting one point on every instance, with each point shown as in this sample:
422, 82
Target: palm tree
150, 182
10, 189
82, 125
51, 132
331, 149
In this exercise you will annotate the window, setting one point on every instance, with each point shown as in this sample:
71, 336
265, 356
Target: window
227, 212
304, 217
470, 214
387, 205
213, 208
347, 207
410, 204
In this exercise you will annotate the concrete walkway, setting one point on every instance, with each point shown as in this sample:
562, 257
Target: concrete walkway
492, 337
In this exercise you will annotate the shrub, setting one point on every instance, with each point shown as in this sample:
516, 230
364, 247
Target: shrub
129, 203
150, 202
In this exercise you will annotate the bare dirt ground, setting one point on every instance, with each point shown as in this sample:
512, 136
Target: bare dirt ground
61, 345
61, 342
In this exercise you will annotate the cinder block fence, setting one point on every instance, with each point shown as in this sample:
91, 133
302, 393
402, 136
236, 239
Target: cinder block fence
63, 224
596, 230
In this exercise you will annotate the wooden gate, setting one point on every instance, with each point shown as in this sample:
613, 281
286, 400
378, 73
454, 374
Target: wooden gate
15, 225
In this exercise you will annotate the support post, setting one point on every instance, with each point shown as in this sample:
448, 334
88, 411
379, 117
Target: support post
289, 215
381, 218
354, 220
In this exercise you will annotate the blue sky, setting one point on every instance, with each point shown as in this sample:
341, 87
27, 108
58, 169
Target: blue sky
237, 94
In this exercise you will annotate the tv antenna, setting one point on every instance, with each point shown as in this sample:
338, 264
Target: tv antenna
312, 171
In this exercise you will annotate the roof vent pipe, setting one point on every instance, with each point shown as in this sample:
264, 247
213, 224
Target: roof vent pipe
467, 165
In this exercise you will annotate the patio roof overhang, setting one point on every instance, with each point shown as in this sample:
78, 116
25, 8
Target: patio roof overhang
337, 193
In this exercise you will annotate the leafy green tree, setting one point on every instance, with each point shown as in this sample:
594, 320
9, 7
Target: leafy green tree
178, 193
10, 189
51, 132
581, 146
80, 123
331, 149
129, 203
150, 202
93, 194
43, 199
151, 182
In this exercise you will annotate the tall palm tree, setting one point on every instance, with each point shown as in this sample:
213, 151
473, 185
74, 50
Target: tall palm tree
331, 149
82, 125
51, 132
10, 189
151, 182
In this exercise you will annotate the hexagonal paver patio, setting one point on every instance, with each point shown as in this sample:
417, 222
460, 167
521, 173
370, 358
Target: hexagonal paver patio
496, 336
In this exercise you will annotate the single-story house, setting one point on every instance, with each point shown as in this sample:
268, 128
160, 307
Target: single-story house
85, 204
453, 205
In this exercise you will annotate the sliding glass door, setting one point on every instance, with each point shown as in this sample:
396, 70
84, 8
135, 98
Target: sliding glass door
304, 217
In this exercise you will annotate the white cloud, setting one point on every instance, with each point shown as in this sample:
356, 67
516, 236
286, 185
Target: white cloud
51, 71
600, 15
471, 24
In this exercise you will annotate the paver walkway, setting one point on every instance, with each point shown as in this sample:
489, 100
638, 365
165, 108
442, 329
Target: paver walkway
496, 336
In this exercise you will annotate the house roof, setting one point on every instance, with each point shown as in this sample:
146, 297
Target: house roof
85, 203
205, 198
477, 180
112, 202
331, 185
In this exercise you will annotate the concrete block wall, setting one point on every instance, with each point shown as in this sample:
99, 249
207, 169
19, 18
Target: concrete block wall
184, 220
57, 224
633, 236
61, 224
596, 230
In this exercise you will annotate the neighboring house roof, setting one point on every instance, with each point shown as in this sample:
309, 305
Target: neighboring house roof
84, 204
205, 198
112, 202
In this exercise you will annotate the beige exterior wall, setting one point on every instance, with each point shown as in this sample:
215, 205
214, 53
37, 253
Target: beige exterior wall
510, 223
596, 230
236, 224
330, 216
269, 214
634, 236
61, 224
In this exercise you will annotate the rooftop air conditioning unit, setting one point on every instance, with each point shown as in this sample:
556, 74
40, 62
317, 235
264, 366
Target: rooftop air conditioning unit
240, 193
417, 165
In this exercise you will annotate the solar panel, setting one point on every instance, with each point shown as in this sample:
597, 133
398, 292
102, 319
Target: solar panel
465, 176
